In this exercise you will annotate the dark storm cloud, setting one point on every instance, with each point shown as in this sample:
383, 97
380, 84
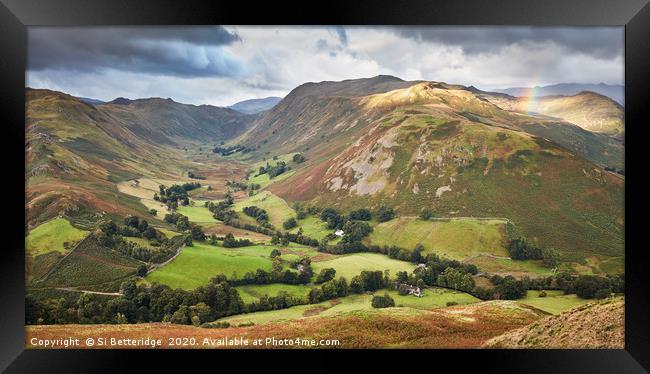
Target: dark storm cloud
600, 42
176, 51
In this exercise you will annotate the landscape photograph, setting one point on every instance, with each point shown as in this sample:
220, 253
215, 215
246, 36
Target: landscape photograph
345, 187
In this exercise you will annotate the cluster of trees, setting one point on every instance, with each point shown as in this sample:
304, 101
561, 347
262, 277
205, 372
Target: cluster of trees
522, 249
290, 223
183, 224
227, 151
172, 195
221, 210
366, 281
352, 225
385, 214
139, 304
361, 214
325, 275
237, 186
298, 237
303, 274
229, 241
112, 236
191, 174
133, 227
273, 170
259, 214
585, 286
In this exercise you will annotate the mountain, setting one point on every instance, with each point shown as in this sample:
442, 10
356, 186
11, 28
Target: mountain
589, 110
77, 152
254, 106
91, 101
595, 326
614, 92
447, 147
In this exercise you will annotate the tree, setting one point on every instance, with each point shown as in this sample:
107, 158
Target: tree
275, 253
149, 233
153, 212
356, 285
197, 232
426, 214
382, 301
142, 270
586, 286
290, 223
385, 214
326, 275
182, 223
298, 158
361, 214
180, 316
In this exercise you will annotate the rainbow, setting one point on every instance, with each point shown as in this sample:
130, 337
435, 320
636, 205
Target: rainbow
531, 99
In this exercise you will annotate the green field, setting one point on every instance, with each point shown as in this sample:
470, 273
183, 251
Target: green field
196, 265
555, 301
326, 308
455, 239
350, 265
432, 298
313, 227
196, 213
168, 233
51, 236
253, 292
275, 207
264, 180
509, 266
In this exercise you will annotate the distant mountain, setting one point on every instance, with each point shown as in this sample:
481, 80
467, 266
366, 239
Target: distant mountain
614, 92
91, 101
591, 111
76, 152
254, 106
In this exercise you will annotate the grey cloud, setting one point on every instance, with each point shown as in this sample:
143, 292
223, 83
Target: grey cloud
342, 35
176, 51
601, 42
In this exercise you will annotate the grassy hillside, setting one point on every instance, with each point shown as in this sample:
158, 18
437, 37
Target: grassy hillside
196, 265
467, 326
76, 152
443, 147
55, 235
554, 302
598, 325
90, 266
350, 265
455, 239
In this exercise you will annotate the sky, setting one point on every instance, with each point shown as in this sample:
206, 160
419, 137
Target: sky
221, 65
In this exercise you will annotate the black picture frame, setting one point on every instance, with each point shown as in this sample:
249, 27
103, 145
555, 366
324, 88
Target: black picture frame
16, 15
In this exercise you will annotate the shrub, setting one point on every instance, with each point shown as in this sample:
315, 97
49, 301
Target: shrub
290, 223
385, 214
451, 303
542, 294
382, 301
426, 214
